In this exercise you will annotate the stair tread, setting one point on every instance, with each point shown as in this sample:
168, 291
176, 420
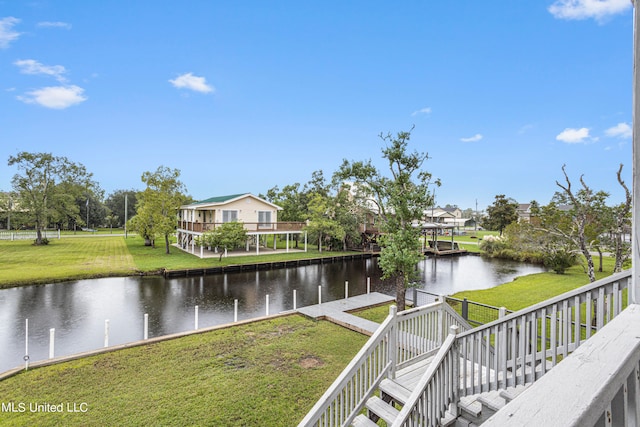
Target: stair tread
492, 401
470, 406
448, 419
395, 390
512, 392
382, 409
363, 421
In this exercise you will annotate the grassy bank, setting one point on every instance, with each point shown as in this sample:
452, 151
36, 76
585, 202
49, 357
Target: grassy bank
528, 290
147, 258
267, 373
63, 259
103, 255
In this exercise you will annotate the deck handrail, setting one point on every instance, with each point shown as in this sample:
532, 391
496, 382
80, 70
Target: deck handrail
607, 395
516, 349
345, 397
402, 338
280, 226
422, 330
529, 342
441, 375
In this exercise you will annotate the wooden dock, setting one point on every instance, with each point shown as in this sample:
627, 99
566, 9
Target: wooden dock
338, 311
444, 248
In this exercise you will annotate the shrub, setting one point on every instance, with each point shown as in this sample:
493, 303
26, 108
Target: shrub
560, 259
492, 245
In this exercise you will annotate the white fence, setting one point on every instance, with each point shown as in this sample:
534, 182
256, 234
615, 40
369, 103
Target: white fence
28, 235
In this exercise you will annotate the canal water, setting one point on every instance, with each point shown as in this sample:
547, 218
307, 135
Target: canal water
78, 310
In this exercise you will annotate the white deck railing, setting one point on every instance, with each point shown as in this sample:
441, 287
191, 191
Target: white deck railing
439, 381
517, 349
403, 337
597, 385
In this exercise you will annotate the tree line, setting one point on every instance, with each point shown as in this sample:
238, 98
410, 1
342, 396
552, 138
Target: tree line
52, 191
576, 224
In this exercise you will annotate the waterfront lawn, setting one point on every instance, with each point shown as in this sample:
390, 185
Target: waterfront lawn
267, 373
150, 259
88, 257
531, 289
63, 259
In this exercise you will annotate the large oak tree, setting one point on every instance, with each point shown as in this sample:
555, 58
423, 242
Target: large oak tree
48, 186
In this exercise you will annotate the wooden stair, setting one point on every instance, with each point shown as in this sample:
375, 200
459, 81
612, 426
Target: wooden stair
393, 395
478, 408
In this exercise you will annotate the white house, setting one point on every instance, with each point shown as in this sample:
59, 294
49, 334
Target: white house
259, 217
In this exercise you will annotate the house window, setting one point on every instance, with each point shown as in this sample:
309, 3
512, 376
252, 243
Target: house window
264, 219
229, 216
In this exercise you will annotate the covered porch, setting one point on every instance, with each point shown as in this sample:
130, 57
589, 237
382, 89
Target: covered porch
257, 242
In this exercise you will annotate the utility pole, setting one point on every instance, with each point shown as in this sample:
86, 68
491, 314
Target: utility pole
9, 213
125, 214
476, 219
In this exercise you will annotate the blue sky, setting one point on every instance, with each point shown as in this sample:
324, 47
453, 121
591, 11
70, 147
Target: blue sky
243, 96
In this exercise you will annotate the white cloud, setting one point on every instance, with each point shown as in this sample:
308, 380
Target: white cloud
189, 81
55, 97
584, 9
474, 138
57, 24
621, 130
425, 110
574, 136
31, 66
7, 35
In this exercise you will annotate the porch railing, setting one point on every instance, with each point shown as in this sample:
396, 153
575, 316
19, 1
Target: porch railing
517, 349
597, 385
403, 337
201, 227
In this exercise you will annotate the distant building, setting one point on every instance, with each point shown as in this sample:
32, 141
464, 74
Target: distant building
524, 212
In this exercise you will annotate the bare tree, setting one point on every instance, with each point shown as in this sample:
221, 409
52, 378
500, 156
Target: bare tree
621, 218
586, 205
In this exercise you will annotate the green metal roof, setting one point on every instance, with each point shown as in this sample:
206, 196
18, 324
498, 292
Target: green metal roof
224, 199
220, 199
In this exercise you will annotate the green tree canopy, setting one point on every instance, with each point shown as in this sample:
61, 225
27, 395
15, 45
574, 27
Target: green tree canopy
48, 186
501, 213
158, 204
115, 202
227, 236
401, 199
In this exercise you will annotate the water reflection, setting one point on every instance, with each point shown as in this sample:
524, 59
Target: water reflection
77, 310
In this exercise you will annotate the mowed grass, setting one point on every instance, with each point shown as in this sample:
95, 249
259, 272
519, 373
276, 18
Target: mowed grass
93, 256
267, 373
531, 289
63, 259
149, 259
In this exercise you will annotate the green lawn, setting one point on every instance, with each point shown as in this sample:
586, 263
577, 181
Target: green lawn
528, 290
103, 255
267, 373
147, 258
63, 259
